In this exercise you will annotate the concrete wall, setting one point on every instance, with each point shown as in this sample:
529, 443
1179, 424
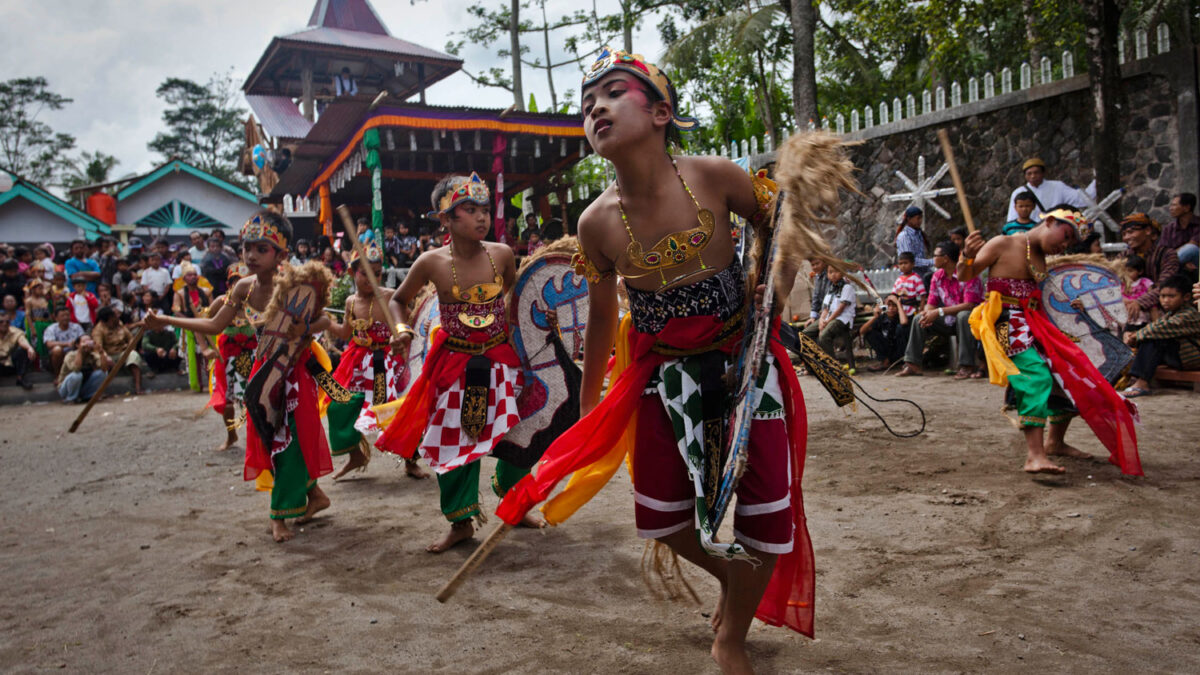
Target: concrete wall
23, 222
215, 202
993, 136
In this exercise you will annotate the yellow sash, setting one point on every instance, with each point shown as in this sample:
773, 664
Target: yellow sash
983, 326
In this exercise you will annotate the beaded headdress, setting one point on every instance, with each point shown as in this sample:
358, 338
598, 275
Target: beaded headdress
374, 255
471, 189
610, 60
261, 229
1075, 218
237, 271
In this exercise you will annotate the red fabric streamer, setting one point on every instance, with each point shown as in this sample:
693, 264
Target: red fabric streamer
789, 597
311, 435
1108, 414
442, 368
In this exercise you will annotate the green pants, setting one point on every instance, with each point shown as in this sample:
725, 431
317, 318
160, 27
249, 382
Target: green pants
343, 437
460, 488
1033, 391
289, 495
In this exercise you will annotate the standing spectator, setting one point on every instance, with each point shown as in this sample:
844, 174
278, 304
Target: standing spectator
38, 316
1024, 222
107, 260
390, 246
947, 312
219, 235
910, 239
24, 261
908, 288
819, 281
122, 277
80, 269
160, 349
1045, 192
887, 333
156, 278
60, 337
43, 262
58, 295
82, 372
83, 304
345, 84
215, 266
958, 236
1172, 340
11, 281
15, 351
333, 261
1140, 234
837, 317
1182, 233
198, 249
111, 339
301, 256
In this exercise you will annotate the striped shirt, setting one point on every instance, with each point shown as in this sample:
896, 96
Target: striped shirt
909, 288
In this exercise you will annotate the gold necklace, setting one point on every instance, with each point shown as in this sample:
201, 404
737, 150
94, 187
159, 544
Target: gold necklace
479, 294
1037, 276
675, 249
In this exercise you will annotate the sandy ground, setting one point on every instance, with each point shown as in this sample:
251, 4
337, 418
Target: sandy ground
132, 548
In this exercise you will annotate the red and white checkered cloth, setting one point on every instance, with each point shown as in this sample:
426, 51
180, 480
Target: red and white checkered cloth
1020, 337
445, 446
362, 379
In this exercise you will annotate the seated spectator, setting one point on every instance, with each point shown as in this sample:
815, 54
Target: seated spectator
11, 281
958, 236
160, 347
122, 278
24, 259
1172, 340
1136, 284
1089, 245
409, 246
146, 301
1023, 207
83, 306
819, 281
345, 84
364, 231
908, 289
60, 337
16, 354
106, 299
111, 339
552, 230
535, 242
1140, 234
837, 316
82, 372
1183, 232
333, 261
16, 313
947, 312
887, 333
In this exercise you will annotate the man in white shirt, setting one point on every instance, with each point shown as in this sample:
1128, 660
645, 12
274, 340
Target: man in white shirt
1047, 193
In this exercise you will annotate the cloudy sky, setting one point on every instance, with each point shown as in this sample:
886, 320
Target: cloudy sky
111, 56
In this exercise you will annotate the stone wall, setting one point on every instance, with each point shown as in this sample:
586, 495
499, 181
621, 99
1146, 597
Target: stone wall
992, 137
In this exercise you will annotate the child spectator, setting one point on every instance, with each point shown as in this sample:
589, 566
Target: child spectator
1136, 283
156, 277
58, 295
819, 281
15, 351
1023, 203
887, 333
122, 277
147, 300
535, 242
82, 372
107, 299
909, 288
83, 306
38, 316
11, 281
43, 263
1172, 340
112, 338
60, 337
837, 317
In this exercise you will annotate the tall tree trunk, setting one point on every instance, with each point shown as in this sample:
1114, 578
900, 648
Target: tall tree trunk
1102, 20
514, 33
549, 63
627, 20
1031, 36
764, 94
804, 73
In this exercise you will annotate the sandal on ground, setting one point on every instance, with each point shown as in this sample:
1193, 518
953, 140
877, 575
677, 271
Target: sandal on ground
977, 375
1134, 392
908, 371
962, 374
878, 367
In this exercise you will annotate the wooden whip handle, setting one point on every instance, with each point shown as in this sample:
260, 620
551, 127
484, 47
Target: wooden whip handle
348, 225
476, 559
137, 340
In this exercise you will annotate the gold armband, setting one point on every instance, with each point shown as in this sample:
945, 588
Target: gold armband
765, 190
403, 328
585, 268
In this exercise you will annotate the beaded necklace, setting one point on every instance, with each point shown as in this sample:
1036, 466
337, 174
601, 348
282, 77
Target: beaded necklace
1033, 271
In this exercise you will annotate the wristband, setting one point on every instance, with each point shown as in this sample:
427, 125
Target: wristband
969, 261
941, 311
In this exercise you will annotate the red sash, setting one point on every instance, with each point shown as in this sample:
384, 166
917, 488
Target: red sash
311, 435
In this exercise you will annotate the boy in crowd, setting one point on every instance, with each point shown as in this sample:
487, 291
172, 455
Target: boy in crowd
1172, 340
908, 288
60, 337
1023, 205
158, 279
840, 306
947, 312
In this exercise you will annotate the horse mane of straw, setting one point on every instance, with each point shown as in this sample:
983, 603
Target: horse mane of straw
811, 167
313, 273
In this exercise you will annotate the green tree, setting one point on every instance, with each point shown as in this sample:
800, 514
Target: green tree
89, 168
204, 125
29, 147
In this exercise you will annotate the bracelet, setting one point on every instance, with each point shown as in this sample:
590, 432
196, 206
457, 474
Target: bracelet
969, 261
403, 328
941, 311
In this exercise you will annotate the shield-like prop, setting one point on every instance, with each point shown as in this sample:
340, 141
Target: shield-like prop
1094, 329
547, 314
425, 316
278, 350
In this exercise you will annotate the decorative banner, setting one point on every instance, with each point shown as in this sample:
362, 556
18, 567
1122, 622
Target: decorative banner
326, 213
371, 145
499, 144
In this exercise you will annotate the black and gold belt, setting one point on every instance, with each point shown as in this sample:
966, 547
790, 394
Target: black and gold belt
456, 344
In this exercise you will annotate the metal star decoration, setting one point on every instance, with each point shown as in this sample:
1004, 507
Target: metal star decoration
921, 191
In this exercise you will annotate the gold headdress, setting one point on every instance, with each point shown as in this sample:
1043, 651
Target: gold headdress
374, 255
237, 271
610, 60
471, 189
261, 229
1082, 226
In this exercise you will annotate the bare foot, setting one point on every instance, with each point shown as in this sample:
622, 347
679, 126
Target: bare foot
229, 441
1033, 465
317, 501
732, 659
459, 532
1065, 450
280, 531
532, 520
719, 612
357, 461
413, 470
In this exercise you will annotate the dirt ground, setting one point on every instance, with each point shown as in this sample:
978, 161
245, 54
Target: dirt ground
131, 547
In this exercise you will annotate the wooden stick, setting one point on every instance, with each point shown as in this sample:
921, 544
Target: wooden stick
476, 559
348, 225
944, 139
137, 339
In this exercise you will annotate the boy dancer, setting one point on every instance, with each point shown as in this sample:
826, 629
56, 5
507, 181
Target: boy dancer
1027, 352
235, 359
369, 368
299, 453
465, 398
664, 226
